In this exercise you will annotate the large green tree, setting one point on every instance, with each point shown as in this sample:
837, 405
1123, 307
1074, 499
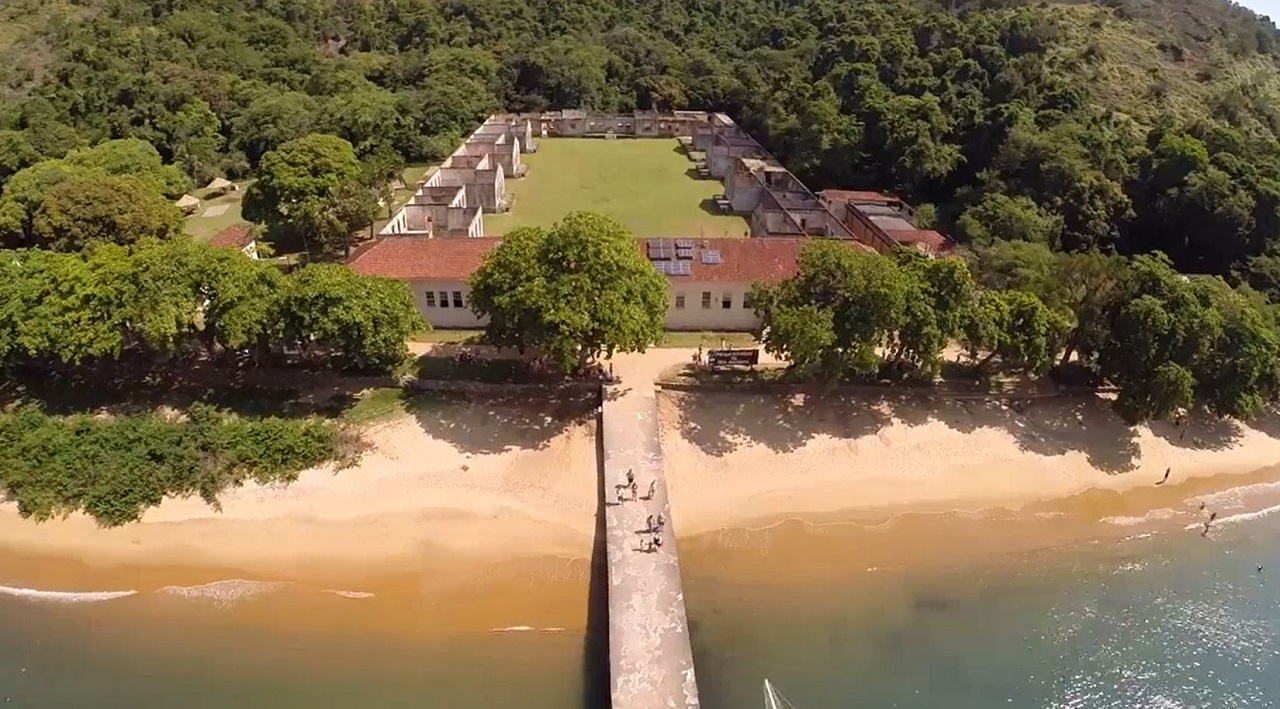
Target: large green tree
575, 291
80, 211
858, 303
354, 321
311, 189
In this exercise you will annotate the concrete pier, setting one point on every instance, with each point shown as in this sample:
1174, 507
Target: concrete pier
650, 660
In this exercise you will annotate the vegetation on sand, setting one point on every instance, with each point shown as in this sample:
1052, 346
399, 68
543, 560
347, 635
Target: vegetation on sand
115, 468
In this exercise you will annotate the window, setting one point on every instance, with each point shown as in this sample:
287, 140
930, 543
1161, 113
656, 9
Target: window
726, 300
679, 301
746, 301
444, 298
429, 298
457, 299
706, 299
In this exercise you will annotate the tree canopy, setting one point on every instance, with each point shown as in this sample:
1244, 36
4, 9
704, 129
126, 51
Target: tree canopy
312, 188
1107, 126
157, 299
575, 291
1167, 342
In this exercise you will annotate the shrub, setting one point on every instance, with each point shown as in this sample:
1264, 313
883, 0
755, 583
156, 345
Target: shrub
115, 468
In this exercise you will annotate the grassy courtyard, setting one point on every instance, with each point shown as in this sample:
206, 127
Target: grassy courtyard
644, 183
215, 213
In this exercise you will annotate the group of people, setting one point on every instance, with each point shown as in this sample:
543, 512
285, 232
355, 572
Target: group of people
1211, 515
653, 525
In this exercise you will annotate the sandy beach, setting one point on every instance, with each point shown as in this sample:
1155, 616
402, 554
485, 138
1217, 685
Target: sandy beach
742, 460
488, 481
478, 481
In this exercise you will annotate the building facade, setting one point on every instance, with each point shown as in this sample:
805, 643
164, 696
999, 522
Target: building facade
709, 280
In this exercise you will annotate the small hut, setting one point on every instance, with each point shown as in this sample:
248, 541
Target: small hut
187, 204
220, 186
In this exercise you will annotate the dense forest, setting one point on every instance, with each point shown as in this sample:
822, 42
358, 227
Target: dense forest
1080, 126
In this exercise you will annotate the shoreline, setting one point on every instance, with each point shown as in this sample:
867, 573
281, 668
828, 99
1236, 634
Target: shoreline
457, 507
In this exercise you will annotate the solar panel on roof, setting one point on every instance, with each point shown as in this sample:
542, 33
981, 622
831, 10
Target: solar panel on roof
684, 253
681, 268
667, 267
711, 256
684, 243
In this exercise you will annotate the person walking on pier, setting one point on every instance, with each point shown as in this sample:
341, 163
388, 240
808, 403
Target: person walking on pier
656, 545
631, 477
653, 488
635, 489
662, 521
648, 523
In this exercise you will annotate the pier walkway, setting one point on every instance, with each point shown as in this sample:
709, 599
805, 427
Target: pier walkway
650, 660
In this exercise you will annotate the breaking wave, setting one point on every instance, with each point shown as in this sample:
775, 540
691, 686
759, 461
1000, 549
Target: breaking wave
63, 596
525, 629
224, 592
350, 594
1152, 516
1236, 519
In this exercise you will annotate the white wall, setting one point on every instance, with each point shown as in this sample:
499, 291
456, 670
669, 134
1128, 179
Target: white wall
691, 317
450, 317
695, 317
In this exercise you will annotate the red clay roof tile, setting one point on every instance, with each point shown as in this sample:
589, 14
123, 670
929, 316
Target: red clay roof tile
455, 259
236, 236
423, 259
930, 240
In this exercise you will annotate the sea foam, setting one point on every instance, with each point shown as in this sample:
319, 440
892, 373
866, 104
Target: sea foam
224, 593
63, 596
350, 594
1236, 519
1152, 516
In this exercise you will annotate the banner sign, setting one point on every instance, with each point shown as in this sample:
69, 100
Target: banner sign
733, 358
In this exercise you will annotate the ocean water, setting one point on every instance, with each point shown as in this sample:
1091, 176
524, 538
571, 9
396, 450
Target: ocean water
1161, 621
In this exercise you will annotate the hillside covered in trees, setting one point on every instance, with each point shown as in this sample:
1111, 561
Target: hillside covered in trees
1131, 126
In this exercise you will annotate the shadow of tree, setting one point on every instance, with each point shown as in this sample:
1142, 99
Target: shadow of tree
486, 423
1200, 431
720, 422
249, 392
1267, 423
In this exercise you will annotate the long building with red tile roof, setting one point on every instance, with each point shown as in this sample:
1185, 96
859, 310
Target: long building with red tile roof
709, 278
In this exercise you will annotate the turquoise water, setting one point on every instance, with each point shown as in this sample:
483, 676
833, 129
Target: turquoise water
1164, 622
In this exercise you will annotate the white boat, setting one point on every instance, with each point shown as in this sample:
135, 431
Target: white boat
773, 699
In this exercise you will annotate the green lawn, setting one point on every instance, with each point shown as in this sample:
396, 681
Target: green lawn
643, 183
410, 177
203, 228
